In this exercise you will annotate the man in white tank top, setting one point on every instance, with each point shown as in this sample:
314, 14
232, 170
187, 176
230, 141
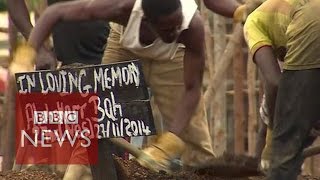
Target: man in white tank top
168, 37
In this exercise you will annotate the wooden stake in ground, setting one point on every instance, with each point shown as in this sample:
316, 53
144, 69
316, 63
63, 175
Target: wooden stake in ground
252, 103
239, 118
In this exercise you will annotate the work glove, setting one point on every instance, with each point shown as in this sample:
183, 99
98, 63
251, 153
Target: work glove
242, 12
23, 60
266, 153
160, 154
263, 111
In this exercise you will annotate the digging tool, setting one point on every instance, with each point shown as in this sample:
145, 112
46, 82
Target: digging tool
175, 165
311, 151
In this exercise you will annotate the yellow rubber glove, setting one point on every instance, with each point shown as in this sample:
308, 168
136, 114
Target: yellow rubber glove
160, 154
240, 14
266, 153
23, 59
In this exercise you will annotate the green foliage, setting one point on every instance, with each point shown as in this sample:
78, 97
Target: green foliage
3, 5
33, 4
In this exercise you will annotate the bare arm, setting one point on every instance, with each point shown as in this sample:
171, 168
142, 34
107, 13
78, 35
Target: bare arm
222, 7
194, 60
19, 14
270, 70
79, 10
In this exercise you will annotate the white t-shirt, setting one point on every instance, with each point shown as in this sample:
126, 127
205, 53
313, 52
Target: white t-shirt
158, 50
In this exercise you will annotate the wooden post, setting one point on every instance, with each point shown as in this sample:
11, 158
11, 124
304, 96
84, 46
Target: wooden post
219, 101
239, 118
252, 103
225, 61
8, 121
209, 65
221, 67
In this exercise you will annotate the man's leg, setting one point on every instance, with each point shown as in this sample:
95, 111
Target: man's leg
167, 85
296, 112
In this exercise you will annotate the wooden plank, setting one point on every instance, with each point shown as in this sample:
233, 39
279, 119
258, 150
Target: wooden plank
4, 30
105, 169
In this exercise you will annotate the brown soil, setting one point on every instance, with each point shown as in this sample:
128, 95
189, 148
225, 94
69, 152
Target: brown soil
224, 168
27, 175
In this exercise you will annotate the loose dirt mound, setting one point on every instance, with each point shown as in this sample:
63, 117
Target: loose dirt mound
27, 175
231, 166
220, 169
224, 168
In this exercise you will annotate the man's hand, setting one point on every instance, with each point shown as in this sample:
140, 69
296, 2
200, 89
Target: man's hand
160, 154
46, 60
23, 60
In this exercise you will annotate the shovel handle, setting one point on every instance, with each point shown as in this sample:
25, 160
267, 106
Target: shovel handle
133, 150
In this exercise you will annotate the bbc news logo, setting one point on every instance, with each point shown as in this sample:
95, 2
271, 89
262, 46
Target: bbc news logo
55, 129
55, 126
55, 117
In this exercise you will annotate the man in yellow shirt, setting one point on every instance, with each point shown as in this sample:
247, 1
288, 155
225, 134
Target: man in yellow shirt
298, 97
265, 35
295, 24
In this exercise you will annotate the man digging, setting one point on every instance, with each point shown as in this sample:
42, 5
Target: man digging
168, 37
267, 38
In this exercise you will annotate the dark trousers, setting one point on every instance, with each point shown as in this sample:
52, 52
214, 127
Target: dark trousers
297, 111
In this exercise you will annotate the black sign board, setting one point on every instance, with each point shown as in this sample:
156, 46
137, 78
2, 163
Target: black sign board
123, 98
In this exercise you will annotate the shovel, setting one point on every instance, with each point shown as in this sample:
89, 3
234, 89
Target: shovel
175, 164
